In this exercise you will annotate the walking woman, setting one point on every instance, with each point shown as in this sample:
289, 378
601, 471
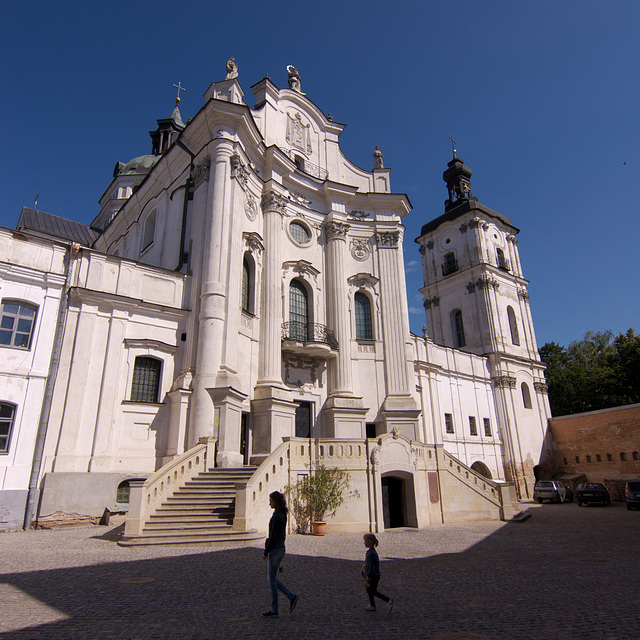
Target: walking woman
274, 553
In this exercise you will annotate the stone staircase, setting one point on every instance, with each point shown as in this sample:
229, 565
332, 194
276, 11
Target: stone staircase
200, 512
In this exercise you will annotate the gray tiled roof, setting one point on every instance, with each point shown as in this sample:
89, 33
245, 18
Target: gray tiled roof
55, 226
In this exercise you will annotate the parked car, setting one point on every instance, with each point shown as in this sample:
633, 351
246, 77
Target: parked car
632, 494
551, 490
592, 492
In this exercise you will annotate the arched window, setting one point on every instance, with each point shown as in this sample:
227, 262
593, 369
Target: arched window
457, 329
526, 396
500, 259
450, 264
623, 457
298, 311
17, 320
149, 230
146, 379
513, 326
7, 414
364, 328
635, 456
248, 284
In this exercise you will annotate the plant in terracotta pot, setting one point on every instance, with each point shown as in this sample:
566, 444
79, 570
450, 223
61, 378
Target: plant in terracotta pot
317, 496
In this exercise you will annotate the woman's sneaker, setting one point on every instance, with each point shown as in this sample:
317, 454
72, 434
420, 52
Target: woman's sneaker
370, 608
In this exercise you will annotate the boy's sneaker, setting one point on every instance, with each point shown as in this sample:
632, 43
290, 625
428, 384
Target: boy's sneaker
292, 603
390, 605
269, 614
370, 608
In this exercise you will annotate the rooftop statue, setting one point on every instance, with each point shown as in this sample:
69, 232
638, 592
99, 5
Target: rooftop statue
294, 79
377, 158
232, 68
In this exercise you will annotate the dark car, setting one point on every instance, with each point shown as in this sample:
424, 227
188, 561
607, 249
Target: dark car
632, 494
592, 492
551, 490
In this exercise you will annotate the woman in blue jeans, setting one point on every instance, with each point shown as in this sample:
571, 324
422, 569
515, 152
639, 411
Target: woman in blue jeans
274, 553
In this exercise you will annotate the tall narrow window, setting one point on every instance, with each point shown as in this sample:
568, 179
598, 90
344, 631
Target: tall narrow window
146, 379
7, 414
448, 422
513, 326
248, 279
473, 429
526, 396
298, 311
364, 330
487, 427
457, 329
149, 230
17, 320
503, 263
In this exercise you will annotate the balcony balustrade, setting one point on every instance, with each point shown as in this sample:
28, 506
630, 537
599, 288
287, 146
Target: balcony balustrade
315, 338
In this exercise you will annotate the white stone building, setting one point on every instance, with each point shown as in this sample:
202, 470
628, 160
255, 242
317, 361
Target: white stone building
244, 305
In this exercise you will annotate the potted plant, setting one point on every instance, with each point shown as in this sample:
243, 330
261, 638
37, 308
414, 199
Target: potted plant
317, 496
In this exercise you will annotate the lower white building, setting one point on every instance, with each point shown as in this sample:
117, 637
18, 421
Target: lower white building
242, 305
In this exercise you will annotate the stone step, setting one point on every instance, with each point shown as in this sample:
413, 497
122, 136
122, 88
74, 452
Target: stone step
188, 538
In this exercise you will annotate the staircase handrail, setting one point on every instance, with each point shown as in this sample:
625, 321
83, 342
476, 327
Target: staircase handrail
476, 481
253, 494
147, 495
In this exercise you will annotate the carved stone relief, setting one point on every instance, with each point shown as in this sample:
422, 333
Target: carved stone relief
388, 239
200, 173
360, 249
272, 201
298, 134
504, 382
250, 207
336, 230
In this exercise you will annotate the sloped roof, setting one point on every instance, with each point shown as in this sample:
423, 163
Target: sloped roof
55, 226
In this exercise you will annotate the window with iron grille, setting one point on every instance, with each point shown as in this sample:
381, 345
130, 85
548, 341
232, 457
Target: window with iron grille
487, 427
473, 429
299, 233
7, 413
17, 320
448, 421
364, 329
146, 379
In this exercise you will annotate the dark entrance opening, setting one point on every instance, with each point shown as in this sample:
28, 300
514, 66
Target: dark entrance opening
371, 429
244, 438
303, 420
393, 502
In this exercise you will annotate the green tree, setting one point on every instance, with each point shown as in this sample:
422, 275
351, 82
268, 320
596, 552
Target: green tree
594, 373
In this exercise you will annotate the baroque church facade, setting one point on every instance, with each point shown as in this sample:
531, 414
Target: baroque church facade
239, 303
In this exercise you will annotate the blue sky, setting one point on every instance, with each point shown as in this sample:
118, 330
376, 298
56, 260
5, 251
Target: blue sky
542, 97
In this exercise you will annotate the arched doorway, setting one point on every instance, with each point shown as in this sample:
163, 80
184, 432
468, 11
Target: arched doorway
482, 469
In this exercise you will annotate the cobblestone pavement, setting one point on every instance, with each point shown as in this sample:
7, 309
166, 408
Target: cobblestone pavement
565, 573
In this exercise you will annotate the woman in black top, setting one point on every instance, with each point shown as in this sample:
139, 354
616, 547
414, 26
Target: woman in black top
274, 551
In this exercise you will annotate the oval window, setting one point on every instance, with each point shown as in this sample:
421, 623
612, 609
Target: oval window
299, 233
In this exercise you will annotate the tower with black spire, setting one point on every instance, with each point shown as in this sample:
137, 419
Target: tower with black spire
475, 298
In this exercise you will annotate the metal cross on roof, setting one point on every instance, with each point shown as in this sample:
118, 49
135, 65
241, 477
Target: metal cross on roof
179, 87
453, 144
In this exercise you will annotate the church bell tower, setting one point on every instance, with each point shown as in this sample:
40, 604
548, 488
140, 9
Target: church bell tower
475, 298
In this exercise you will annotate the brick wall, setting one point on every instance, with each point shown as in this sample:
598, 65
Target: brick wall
603, 445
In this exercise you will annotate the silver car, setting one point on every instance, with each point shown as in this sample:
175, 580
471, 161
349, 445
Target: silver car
551, 490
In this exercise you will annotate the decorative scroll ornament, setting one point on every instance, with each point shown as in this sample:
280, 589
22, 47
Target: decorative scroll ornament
200, 173
463, 228
523, 294
487, 281
298, 198
512, 239
253, 241
302, 268
504, 382
431, 302
239, 171
336, 230
388, 239
541, 387
395, 433
250, 207
363, 281
360, 250
272, 201
471, 287
429, 245
298, 134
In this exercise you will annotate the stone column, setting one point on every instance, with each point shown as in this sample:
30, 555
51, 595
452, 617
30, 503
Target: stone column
213, 291
340, 373
270, 359
272, 408
399, 410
